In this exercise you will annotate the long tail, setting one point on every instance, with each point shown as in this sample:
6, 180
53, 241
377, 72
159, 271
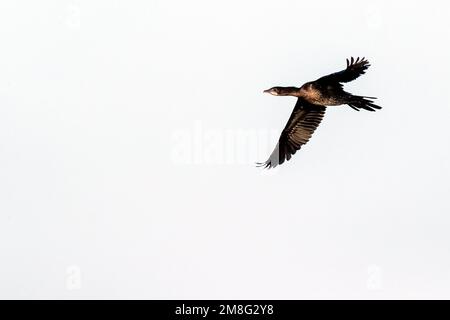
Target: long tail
361, 102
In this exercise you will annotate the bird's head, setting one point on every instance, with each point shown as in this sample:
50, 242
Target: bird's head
275, 91
282, 91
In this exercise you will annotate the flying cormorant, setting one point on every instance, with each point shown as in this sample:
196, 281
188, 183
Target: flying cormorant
312, 100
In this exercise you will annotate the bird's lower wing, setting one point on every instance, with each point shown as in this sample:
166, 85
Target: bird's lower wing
354, 69
304, 120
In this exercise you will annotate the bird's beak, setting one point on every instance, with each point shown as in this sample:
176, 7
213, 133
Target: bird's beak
267, 91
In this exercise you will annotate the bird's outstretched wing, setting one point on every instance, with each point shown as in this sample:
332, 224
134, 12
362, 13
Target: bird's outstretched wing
304, 120
354, 69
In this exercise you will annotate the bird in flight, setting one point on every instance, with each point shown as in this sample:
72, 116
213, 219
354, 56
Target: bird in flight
312, 100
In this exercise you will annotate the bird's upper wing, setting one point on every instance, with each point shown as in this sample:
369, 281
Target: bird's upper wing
304, 120
354, 69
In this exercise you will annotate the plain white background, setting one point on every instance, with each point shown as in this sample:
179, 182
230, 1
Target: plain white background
100, 98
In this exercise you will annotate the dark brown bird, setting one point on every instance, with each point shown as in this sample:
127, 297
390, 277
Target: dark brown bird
312, 100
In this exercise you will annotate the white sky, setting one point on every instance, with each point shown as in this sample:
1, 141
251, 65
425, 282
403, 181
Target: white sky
98, 99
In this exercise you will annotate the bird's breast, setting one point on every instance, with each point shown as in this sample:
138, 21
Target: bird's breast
310, 93
316, 96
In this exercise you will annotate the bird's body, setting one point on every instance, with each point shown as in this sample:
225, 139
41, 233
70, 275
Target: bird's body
313, 98
321, 95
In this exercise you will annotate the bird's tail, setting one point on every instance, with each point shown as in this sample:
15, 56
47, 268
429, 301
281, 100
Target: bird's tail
362, 102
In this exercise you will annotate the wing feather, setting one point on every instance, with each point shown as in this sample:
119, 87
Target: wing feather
355, 68
304, 120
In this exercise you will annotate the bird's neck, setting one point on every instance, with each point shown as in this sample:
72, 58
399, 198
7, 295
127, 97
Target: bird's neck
290, 91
